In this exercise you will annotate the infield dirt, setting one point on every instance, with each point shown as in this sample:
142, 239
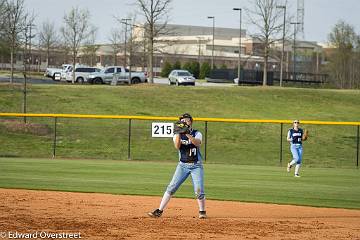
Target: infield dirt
105, 216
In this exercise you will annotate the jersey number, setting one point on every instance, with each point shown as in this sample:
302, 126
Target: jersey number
192, 152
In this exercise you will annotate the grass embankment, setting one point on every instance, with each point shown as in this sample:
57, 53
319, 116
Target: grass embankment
248, 144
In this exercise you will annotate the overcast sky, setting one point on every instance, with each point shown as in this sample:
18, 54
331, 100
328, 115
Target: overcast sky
320, 15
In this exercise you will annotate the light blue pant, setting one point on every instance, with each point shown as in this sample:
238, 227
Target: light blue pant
297, 151
182, 172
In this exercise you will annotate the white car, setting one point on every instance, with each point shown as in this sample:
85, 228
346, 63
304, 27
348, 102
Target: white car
181, 77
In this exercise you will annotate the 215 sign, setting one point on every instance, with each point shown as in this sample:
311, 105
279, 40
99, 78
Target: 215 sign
162, 130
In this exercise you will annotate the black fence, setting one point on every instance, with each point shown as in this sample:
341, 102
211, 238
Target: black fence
255, 77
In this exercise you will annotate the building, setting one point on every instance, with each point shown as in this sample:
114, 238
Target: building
190, 43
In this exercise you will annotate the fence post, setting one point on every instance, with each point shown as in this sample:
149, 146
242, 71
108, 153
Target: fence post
357, 147
54, 143
206, 128
281, 143
129, 140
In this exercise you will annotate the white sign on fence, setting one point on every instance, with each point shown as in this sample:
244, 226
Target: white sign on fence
162, 130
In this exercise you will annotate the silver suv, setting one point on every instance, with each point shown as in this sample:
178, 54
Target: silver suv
181, 77
81, 74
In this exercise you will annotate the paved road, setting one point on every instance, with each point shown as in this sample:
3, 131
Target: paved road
4, 79
31, 81
204, 84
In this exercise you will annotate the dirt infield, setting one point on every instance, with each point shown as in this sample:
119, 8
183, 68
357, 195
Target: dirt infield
105, 216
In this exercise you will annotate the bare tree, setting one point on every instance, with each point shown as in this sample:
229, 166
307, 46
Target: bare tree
2, 18
75, 31
90, 47
48, 38
155, 13
115, 40
267, 19
14, 27
344, 63
26, 47
3, 42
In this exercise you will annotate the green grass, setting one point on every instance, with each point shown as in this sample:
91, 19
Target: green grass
247, 144
17, 74
337, 188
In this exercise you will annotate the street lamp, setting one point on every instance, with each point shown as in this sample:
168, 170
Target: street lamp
283, 45
239, 60
213, 33
294, 47
125, 22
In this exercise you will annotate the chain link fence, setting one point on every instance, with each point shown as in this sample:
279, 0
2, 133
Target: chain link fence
126, 138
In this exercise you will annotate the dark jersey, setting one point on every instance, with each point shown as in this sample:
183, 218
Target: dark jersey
189, 153
296, 136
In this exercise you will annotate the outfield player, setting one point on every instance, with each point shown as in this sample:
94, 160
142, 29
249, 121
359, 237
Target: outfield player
296, 136
190, 163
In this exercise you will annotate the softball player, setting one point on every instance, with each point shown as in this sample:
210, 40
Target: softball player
190, 163
296, 136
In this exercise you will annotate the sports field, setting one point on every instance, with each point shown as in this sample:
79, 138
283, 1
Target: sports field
249, 195
337, 188
116, 215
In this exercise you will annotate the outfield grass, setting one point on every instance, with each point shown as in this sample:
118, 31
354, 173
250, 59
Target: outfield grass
337, 188
247, 144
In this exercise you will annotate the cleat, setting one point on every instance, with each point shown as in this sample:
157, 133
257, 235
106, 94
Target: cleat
155, 214
288, 167
297, 175
202, 214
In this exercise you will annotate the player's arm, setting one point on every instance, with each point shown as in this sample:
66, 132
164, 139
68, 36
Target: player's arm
177, 141
194, 140
289, 139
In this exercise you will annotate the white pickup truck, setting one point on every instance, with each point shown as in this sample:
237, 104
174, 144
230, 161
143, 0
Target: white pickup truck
118, 73
51, 72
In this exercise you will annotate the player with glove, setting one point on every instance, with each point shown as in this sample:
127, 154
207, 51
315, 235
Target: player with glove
296, 136
187, 140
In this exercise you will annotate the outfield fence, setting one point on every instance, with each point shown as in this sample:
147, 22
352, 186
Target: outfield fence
225, 141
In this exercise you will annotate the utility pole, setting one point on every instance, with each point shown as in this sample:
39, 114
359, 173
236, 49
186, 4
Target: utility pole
125, 22
283, 45
239, 60
213, 37
199, 48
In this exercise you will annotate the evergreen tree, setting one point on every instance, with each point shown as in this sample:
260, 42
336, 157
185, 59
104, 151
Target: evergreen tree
177, 65
167, 68
204, 70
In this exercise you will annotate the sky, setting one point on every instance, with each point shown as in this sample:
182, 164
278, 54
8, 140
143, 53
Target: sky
320, 15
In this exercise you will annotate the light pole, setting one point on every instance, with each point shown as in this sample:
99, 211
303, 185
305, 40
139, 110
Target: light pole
125, 22
294, 47
283, 45
213, 37
239, 60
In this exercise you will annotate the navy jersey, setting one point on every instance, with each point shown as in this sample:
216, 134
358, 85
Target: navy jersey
296, 136
188, 152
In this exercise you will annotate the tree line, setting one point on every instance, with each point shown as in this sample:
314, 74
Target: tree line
17, 32
344, 59
76, 31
